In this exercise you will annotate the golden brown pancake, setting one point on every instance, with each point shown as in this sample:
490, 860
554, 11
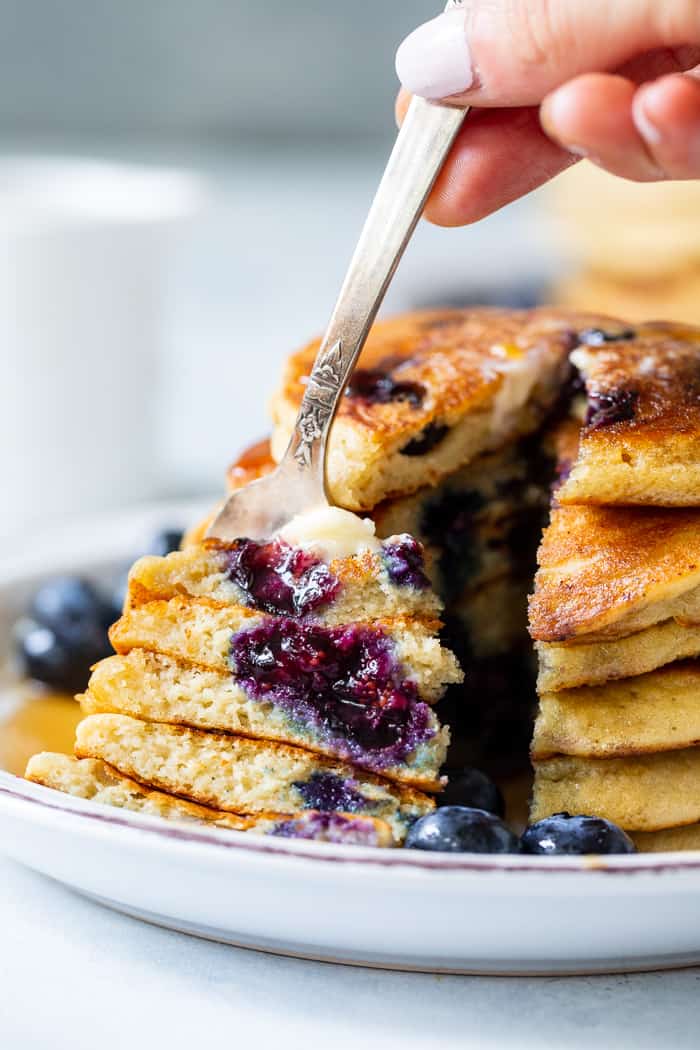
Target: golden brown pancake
606, 572
569, 666
434, 391
160, 689
641, 442
640, 793
240, 775
659, 711
92, 779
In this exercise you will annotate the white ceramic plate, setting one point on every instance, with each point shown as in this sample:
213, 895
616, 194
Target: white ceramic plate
390, 908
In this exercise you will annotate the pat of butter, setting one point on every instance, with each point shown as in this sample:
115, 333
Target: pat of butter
330, 532
520, 376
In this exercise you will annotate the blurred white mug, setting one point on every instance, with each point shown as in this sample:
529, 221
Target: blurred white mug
82, 251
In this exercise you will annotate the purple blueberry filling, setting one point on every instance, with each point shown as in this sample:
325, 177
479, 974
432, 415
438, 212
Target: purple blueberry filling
616, 406
328, 827
379, 388
278, 578
427, 440
404, 563
328, 792
598, 336
343, 682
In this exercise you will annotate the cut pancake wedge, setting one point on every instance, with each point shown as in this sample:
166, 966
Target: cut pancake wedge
159, 689
92, 779
241, 775
202, 634
454, 384
357, 588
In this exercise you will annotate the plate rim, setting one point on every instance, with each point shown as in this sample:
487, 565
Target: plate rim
53, 805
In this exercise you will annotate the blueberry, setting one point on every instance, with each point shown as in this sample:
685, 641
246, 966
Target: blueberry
459, 829
51, 659
71, 607
471, 787
562, 834
165, 542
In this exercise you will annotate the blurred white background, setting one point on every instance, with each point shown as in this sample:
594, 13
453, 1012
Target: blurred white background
281, 116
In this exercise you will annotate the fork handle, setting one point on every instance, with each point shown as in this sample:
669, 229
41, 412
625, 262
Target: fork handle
420, 150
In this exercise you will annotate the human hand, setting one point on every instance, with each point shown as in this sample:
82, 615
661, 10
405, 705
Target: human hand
554, 80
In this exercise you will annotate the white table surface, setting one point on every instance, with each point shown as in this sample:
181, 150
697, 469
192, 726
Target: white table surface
74, 975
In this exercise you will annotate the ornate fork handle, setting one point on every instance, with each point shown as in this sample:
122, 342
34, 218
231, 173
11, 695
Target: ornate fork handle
418, 155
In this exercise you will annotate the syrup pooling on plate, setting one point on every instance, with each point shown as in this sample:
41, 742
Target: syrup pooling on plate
344, 681
328, 827
278, 578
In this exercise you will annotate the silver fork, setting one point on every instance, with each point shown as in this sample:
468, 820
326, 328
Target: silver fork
299, 482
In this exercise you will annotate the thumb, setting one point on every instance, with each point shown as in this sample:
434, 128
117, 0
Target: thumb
514, 52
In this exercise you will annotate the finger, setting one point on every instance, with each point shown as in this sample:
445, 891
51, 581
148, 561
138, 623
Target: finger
403, 101
667, 115
592, 116
508, 53
499, 155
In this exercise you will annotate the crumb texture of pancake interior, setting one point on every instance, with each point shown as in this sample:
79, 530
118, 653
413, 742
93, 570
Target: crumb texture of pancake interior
240, 775
89, 778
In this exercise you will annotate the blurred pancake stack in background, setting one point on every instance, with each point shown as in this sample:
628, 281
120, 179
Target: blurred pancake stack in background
635, 247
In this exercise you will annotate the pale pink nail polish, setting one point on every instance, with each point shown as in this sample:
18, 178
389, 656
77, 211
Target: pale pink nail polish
646, 127
434, 61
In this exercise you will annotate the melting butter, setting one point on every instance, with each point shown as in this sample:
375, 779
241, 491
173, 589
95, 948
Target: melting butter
330, 532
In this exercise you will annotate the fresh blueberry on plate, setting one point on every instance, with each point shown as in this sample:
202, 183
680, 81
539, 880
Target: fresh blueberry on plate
50, 659
470, 787
69, 605
564, 835
462, 829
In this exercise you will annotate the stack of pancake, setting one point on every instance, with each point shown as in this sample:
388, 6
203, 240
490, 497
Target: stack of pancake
263, 682
440, 436
301, 686
616, 609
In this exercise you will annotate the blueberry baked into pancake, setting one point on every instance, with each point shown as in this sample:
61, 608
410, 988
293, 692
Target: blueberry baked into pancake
304, 686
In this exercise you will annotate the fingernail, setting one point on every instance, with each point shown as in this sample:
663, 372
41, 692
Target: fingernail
434, 61
646, 127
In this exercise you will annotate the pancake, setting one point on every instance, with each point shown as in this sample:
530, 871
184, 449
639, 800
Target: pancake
640, 793
653, 712
287, 581
668, 840
200, 634
607, 572
89, 778
240, 775
641, 441
432, 392
159, 689
569, 666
